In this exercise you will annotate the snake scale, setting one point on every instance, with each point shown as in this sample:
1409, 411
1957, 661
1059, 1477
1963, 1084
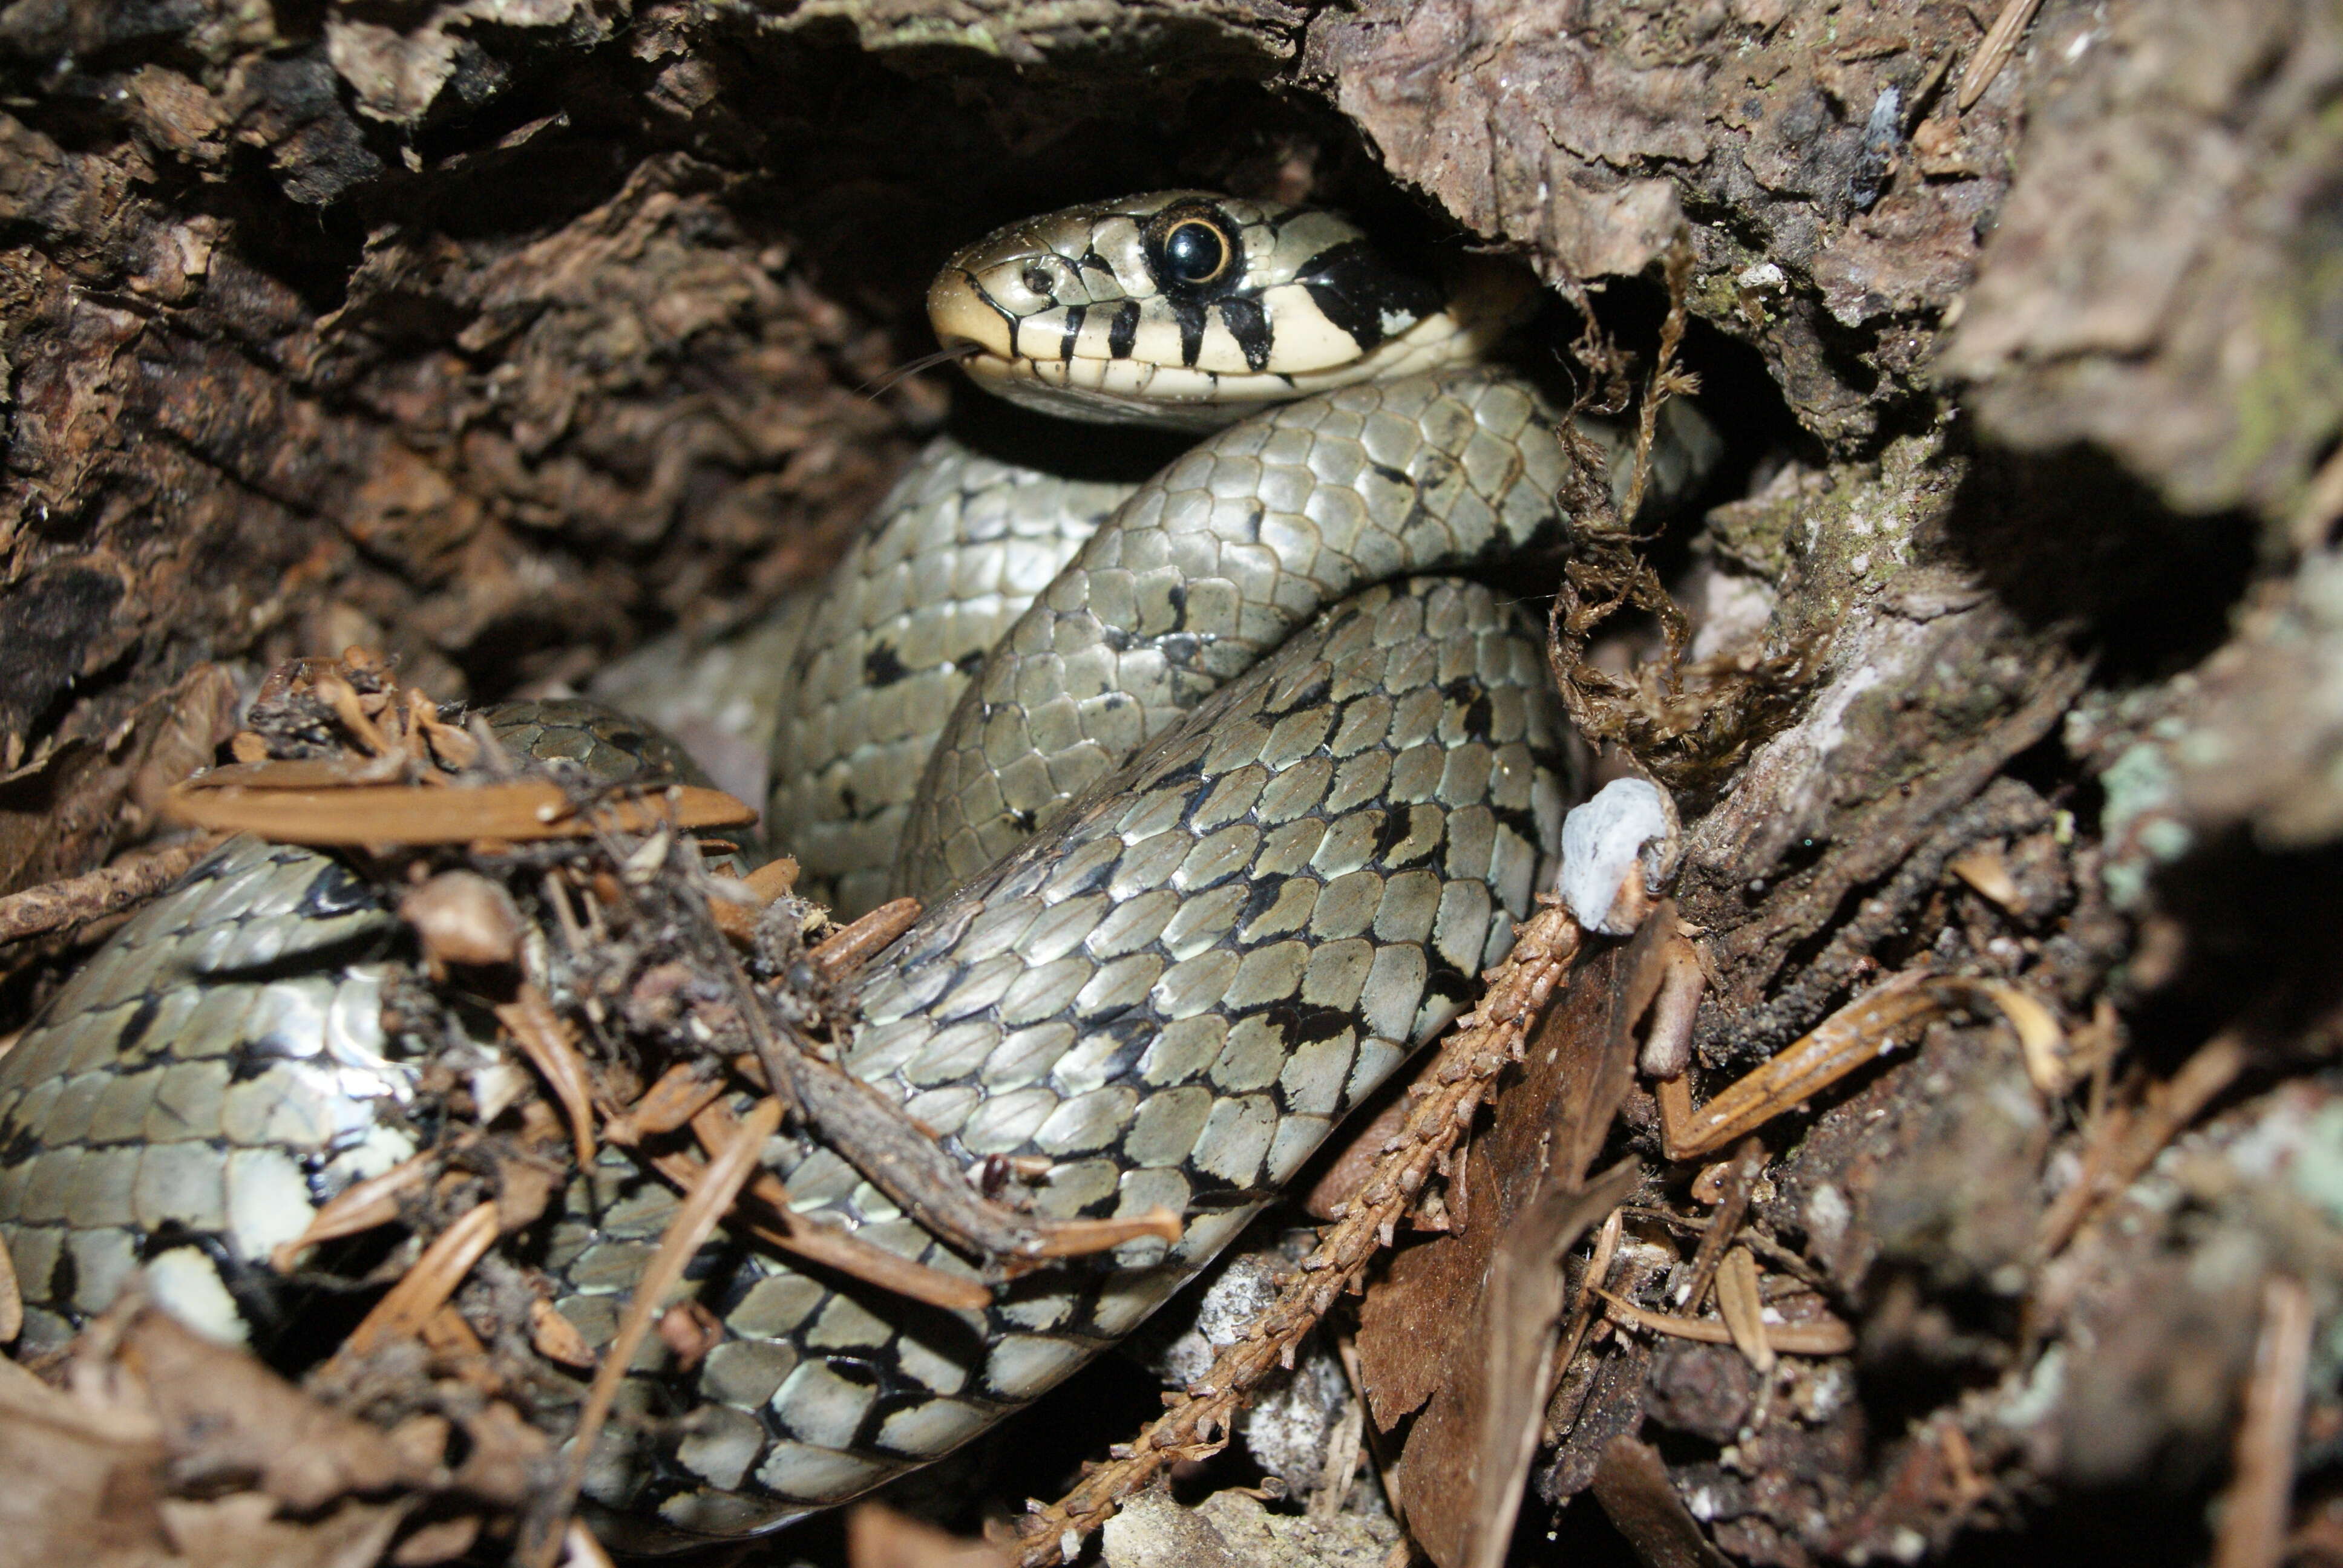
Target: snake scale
1235, 792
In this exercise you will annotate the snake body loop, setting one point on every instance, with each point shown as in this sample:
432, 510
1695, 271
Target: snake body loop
1240, 801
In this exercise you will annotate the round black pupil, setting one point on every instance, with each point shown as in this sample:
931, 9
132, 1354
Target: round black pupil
1194, 252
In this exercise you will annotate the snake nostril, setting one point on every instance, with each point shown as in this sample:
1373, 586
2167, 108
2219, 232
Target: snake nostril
1037, 278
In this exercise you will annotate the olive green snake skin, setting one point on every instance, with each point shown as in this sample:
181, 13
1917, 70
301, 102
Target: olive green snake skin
1241, 799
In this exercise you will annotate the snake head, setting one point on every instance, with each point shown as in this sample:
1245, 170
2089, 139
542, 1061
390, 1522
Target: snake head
1192, 309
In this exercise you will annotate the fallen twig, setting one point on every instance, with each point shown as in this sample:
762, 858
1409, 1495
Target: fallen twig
870, 1131
693, 1222
550, 1044
2253, 1532
2112, 1162
1827, 1338
424, 1288
109, 889
517, 810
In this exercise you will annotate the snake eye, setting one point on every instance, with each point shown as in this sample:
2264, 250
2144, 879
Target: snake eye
1195, 252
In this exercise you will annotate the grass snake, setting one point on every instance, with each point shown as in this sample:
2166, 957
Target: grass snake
1224, 788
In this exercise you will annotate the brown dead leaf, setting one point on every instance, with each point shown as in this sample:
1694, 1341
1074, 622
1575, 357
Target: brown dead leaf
1633, 1486
1465, 1324
226, 1418
241, 1530
508, 1458
463, 917
82, 1479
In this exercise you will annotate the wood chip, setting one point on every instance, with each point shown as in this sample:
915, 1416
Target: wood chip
679, 1093
774, 878
557, 1339
2040, 1034
1986, 869
464, 918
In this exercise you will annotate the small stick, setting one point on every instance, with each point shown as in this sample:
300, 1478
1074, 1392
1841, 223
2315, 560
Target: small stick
2137, 1140
680, 1093
11, 1299
547, 1041
105, 891
850, 947
2000, 42
1827, 1338
821, 1243
871, 1133
1740, 1177
693, 1222
360, 1206
2254, 1515
424, 1289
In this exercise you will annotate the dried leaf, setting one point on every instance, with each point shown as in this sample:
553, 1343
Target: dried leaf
463, 917
240, 1530
1481, 1369
1632, 1485
83, 1480
226, 1418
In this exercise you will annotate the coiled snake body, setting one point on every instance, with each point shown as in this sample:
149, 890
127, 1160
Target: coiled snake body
1237, 806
